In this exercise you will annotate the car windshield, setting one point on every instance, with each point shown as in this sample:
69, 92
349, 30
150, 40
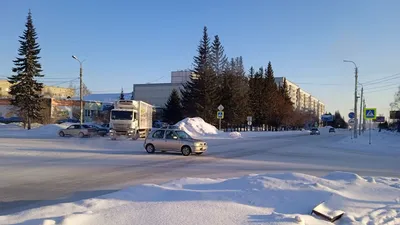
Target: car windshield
121, 115
183, 135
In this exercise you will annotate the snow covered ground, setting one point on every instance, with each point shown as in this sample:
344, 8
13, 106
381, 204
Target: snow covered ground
40, 169
283, 198
384, 141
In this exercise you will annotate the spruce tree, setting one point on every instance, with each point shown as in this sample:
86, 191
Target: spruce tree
200, 97
25, 89
270, 93
285, 104
173, 109
256, 98
122, 95
219, 60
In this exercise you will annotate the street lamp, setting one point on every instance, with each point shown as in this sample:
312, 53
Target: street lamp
361, 108
355, 96
80, 88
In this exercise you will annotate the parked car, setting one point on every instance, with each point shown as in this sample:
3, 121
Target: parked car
332, 130
68, 120
102, 131
173, 140
78, 130
315, 131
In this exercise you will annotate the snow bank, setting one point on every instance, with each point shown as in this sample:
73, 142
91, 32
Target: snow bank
197, 127
42, 131
285, 198
235, 135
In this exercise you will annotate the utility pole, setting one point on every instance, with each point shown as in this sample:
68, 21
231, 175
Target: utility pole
355, 97
361, 109
80, 88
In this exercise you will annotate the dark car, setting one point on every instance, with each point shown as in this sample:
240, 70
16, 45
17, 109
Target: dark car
315, 131
68, 120
332, 130
102, 131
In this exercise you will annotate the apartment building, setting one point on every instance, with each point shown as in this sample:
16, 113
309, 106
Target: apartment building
301, 99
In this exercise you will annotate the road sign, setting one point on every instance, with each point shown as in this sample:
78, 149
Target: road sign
380, 119
249, 123
352, 115
351, 121
220, 115
327, 118
220, 108
370, 113
249, 119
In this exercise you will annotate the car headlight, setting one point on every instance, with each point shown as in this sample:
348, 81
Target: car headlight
197, 144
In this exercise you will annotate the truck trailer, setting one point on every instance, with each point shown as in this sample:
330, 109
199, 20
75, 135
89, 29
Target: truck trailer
131, 118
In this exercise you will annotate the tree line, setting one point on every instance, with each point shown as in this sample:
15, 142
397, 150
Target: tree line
218, 79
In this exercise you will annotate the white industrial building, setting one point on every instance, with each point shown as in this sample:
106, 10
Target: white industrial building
155, 94
181, 76
301, 99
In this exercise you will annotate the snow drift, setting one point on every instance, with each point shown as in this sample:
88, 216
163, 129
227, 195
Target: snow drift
285, 198
42, 131
197, 127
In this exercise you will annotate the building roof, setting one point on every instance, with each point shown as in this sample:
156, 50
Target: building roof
105, 98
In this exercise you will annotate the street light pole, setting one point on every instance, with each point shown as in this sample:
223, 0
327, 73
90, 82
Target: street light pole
80, 89
361, 109
355, 97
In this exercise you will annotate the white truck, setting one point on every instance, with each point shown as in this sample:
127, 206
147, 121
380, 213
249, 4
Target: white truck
131, 118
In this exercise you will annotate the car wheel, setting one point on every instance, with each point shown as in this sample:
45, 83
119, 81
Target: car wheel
135, 137
186, 151
81, 135
150, 148
61, 134
199, 153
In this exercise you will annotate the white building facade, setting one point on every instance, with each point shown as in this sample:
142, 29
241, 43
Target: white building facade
301, 99
181, 76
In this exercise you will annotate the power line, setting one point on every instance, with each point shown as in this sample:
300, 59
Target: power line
64, 82
377, 87
383, 79
380, 90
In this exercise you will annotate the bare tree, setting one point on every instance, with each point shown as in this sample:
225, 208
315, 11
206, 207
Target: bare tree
395, 105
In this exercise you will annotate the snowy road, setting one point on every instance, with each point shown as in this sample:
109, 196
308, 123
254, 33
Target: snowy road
34, 170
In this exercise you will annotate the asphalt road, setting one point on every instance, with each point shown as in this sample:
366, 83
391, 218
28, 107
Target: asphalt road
37, 172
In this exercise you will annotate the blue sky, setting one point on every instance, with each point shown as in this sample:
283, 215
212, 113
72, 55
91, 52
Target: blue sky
126, 42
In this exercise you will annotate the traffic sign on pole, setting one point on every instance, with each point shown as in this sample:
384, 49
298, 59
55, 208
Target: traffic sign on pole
352, 115
351, 121
380, 119
370, 113
220, 108
220, 114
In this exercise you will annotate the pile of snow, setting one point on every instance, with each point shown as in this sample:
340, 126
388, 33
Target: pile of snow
196, 127
33, 125
43, 131
286, 198
235, 135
